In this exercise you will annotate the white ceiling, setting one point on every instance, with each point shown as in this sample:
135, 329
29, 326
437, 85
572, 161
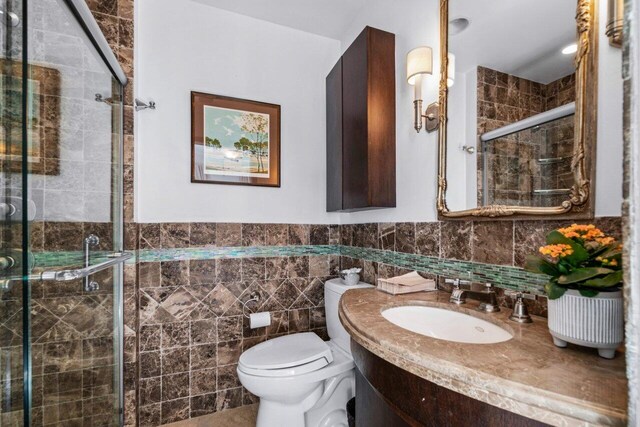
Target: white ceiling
519, 37
522, 37
328, 18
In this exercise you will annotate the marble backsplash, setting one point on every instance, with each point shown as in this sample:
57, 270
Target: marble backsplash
184, 330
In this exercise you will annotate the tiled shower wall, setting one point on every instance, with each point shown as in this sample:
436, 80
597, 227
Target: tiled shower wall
505, 99
116, 20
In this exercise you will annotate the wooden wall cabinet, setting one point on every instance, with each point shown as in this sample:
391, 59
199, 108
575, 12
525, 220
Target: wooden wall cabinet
361, 125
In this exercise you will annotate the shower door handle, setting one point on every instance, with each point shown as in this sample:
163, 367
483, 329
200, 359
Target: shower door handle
90, 241
81, 273
73, 274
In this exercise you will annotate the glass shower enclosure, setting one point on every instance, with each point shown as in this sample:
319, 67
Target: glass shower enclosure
528, 163
61, 258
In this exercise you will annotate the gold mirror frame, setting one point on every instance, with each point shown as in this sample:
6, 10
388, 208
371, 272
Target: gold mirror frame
581, 202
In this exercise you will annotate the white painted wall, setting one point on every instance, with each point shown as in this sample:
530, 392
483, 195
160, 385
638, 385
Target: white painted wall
183, 46
610, 145
415, 23
471, 137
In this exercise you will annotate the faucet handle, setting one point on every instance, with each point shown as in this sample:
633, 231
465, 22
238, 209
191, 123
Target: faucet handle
454, 282
520, 313
520, 294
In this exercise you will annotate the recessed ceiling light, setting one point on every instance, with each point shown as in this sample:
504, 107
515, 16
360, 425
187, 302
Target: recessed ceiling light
458, 25
571, 49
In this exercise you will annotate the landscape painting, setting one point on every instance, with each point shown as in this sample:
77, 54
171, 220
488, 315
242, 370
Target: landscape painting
235, 141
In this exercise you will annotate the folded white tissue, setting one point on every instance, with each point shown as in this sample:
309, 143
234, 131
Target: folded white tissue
259, 320
407, 283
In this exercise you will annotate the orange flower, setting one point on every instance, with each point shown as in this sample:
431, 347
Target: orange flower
584, 232
556, 251
605, 241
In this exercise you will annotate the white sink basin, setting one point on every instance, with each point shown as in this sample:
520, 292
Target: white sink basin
446, 325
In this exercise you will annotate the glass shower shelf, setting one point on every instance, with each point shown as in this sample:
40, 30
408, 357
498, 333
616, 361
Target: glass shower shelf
552, 160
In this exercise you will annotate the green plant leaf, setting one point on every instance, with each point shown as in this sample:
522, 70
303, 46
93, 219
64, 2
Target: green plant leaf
590, 293
562, 268
538, 265
611, 251
582, 274
605, 282
554, 291
579, 254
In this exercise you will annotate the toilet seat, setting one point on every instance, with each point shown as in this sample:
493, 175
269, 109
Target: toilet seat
289, 355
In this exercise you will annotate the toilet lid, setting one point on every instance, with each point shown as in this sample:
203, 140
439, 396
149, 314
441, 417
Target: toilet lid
293, 354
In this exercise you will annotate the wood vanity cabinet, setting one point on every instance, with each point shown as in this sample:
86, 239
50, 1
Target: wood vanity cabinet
361, 125
388, 396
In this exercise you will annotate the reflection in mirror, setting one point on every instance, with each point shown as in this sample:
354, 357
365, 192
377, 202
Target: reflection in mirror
512, 98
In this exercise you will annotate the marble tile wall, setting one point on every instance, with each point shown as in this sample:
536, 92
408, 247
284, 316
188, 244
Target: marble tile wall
490, 242
72, 330
72, 352
184, 325
513, 173
192, 330
116, 20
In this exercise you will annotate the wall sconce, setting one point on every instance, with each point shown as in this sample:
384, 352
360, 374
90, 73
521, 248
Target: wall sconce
419, 64
615, 22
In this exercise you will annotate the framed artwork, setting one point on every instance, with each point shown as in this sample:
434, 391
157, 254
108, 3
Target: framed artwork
234, 141
43, 118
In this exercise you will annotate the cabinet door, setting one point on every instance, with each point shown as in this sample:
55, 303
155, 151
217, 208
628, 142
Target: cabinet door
334, 139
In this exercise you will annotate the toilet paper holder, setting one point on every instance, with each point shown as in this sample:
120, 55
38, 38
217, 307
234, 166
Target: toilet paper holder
253, 297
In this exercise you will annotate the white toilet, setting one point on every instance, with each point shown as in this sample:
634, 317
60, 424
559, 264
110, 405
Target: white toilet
301, 380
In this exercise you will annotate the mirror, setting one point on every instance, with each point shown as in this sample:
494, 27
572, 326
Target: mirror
518, 91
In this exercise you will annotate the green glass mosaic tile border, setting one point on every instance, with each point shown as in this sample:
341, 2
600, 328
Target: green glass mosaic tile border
501, 276
156, 255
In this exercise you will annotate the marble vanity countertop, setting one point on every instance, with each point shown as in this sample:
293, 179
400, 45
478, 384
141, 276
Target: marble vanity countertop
527, 375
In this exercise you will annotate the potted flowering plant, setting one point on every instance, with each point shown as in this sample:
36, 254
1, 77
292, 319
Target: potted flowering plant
584, 289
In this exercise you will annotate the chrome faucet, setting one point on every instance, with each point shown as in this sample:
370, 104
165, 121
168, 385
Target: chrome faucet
487, 297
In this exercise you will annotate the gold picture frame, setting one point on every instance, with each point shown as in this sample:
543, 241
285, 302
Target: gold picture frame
581, 201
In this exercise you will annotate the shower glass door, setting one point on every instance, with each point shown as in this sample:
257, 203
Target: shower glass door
12, 291
60, 327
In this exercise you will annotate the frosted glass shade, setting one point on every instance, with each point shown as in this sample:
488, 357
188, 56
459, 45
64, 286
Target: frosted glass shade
419, 61
451, 69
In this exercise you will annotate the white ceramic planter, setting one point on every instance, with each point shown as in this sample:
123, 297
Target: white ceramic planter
596, 322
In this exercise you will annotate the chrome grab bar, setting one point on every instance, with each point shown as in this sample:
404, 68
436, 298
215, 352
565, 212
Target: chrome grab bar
72, 274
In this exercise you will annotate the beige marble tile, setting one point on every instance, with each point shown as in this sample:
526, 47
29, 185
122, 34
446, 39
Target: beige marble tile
244, 416
527, 374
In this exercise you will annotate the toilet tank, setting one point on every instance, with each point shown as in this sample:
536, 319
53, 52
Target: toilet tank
333, 290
